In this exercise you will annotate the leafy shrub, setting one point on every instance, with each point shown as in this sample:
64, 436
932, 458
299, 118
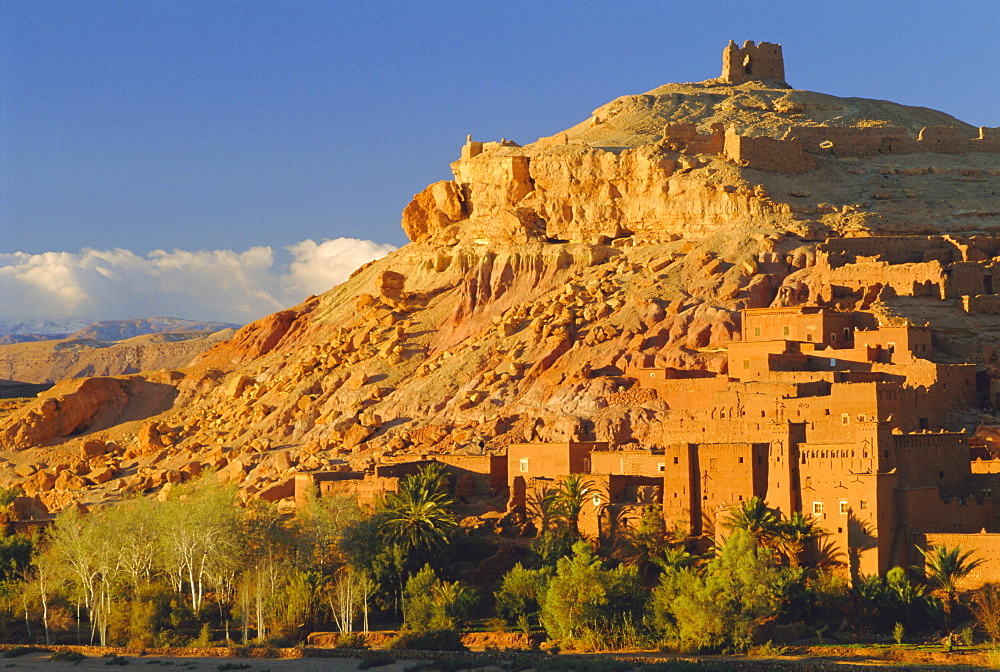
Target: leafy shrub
67, 657
375, 661
114, 659
430, 640
224, 667
204, 637
722, 609
432, 604
521, 594
767, 650
589, 606
20, 651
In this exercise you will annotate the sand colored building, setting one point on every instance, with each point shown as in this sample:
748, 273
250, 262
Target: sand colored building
828, 413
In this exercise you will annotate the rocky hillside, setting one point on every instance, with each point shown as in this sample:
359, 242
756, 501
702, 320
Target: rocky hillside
534, 282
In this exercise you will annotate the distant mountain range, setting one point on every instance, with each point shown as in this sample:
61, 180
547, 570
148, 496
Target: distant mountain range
105, 330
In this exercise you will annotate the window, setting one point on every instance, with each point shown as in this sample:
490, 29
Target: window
863, 504
843, 508
809, 482
786, 331
586, 465
661, 467
756, 331
845, 419
847, 334
524, 464
817, 508
741, 460
713, 463
746, 363
833, 338
809, 337
677, 460
596, 499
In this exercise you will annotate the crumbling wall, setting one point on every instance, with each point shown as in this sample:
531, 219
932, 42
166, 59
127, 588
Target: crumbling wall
980, 304
770, 154
844, 141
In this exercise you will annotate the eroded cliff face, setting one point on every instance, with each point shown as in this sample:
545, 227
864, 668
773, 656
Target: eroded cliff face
536, 282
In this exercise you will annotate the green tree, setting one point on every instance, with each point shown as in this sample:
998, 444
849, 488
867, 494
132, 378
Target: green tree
793, 535
570, 497
199, 533
754, 517
418, 517
651, 548
720, 609
432, 604
944, 568
589, 605
521, 594
904, 599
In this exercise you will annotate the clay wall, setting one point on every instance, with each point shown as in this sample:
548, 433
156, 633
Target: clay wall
629, 462
902, 343
905, 279
945, 139
984, 546
988, 140
770, 154
970, 278
366, 491
685, 394
526, 461
488, 472
681, 501
314, 482
981, 304
926, 511
857, 511
931, 460
729, 473
850, 141
891, 249
685, 138
813, 325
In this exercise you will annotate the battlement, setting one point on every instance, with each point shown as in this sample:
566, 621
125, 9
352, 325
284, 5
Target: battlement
753, 62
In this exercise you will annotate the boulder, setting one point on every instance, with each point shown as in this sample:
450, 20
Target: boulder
90, 449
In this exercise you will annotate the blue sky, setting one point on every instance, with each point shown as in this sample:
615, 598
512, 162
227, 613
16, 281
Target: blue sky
225, 125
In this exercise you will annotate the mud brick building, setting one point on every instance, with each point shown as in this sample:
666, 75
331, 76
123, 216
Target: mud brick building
824, 412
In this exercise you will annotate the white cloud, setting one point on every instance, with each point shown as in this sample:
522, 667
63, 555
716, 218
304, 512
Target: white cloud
220, 285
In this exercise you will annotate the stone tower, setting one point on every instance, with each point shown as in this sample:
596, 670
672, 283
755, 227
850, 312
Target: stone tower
753, 62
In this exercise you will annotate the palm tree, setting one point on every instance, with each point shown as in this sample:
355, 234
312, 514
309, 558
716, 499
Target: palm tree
795, 533
541, 505
754, 517
944, 568
570, 497
418, 517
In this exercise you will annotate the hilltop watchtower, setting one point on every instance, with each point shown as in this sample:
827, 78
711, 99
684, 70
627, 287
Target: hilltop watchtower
752, 62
